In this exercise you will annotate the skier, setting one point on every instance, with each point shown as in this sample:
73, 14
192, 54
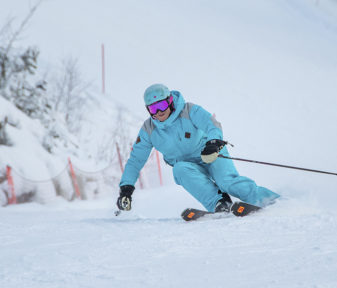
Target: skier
190, 139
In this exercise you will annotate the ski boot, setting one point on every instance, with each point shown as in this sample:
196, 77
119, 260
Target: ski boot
224, 204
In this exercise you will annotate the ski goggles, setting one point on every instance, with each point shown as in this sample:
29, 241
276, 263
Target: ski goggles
161, 105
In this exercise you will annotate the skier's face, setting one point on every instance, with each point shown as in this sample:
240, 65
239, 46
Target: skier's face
162, 115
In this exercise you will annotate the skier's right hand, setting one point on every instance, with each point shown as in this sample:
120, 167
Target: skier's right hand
124, 199
211, 151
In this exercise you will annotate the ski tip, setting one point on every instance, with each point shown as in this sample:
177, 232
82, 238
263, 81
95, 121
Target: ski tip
188, 214
241, 209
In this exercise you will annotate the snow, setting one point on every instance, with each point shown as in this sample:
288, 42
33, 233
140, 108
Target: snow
26, 135
82, 244
267, 69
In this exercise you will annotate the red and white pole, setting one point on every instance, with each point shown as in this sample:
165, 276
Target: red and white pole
120, 158
74, 179
159, 168
12, 199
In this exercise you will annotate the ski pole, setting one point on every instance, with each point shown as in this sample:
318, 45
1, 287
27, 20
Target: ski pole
278, 165
118, 212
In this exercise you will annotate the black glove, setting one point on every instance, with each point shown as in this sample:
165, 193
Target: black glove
211, 150
124, 199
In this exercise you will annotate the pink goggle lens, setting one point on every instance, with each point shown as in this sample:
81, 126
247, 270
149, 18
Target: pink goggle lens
160, 105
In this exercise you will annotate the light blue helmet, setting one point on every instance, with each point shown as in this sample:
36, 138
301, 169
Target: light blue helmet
156, 92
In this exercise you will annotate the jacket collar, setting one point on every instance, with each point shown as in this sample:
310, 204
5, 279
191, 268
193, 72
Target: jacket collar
179, 103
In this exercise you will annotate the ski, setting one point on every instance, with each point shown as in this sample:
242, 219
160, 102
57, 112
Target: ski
190, 214
242, 209
239, 209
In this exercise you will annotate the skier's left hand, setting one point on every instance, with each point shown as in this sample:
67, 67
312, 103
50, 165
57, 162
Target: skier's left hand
124, 199
211, 151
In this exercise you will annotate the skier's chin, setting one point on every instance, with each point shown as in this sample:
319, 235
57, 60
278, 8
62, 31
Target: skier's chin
162, 116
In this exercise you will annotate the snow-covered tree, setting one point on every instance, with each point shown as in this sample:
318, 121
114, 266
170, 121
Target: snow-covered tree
18, 80
70, 93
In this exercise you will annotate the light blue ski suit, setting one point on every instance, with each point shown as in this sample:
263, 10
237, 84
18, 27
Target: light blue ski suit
181, 139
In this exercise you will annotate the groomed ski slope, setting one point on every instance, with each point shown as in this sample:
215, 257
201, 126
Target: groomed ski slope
82, 244
267, 69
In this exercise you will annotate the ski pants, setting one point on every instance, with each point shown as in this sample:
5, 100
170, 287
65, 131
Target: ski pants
203, 181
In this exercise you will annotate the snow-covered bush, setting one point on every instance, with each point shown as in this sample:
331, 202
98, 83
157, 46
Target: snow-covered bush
4, 139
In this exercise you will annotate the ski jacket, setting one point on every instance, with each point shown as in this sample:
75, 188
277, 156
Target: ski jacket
181, 137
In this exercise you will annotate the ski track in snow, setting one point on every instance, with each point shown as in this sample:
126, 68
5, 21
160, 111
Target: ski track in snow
286, 245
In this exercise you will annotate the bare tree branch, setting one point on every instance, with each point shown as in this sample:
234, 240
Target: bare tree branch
70, 93
22, 26
5, 30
